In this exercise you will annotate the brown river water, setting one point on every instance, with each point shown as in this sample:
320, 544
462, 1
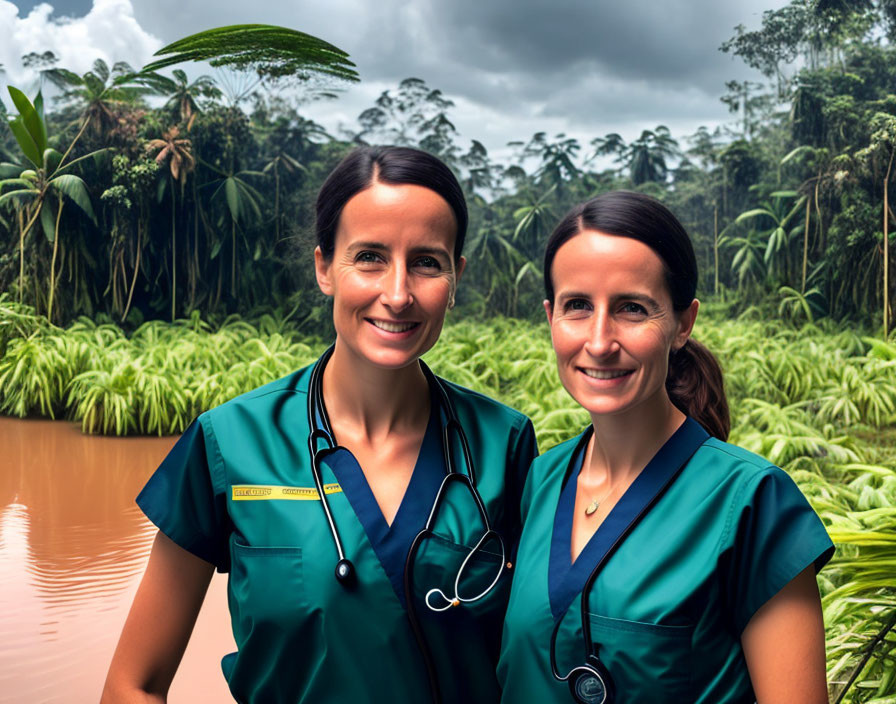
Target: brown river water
73, 546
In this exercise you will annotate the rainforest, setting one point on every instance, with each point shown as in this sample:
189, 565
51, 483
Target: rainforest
157, 238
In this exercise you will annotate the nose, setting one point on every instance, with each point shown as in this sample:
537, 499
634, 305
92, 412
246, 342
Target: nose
396, 290
602, 340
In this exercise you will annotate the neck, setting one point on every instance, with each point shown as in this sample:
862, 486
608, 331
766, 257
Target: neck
373, 400
623, 444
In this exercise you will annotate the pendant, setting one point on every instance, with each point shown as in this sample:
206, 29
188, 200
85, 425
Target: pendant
592, 507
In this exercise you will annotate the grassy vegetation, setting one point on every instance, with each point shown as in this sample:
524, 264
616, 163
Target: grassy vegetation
820, 401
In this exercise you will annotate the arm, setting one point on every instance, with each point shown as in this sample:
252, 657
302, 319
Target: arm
158, 626
784, 645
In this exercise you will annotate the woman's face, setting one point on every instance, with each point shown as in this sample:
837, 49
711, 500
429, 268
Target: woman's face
392, 274
612, 323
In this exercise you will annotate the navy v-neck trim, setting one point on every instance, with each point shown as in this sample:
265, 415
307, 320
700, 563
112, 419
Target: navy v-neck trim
566, 579
391, 543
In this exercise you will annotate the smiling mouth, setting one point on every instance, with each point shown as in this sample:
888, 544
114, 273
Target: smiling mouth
392, 327
605, 374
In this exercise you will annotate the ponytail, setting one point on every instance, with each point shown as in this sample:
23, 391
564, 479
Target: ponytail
696, 387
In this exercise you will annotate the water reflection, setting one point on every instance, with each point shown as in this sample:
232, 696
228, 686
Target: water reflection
72, 548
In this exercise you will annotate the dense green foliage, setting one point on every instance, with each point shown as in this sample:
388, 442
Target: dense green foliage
819, 401
203, 195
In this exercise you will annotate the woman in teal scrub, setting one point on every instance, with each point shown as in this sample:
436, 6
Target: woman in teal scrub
363, 508
657, 562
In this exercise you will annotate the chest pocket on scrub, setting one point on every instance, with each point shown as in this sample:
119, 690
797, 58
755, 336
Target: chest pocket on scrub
266, 588
648, 662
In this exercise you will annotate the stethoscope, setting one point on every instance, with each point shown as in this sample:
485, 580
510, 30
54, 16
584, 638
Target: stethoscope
590, 682
436, 599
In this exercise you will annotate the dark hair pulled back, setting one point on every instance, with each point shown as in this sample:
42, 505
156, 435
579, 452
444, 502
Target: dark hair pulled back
694, 381
391, 165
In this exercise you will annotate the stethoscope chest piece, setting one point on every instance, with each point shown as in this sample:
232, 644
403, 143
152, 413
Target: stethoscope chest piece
345, 572
591, 683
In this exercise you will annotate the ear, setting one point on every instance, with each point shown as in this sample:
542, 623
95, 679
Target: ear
322, 272
459, 269
686, 320
549, 310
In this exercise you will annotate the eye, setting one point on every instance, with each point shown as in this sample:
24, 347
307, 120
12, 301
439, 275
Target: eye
576, 304
428, 263
368, 257
630, 307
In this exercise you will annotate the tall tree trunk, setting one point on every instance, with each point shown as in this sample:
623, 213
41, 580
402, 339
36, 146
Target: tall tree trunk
715, 244
277, 203
887, 246
233, 259
127, 306
819, 228
22, 234
53, 262
173, 248
806, 245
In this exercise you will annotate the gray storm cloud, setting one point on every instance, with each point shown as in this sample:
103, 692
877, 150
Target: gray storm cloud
512, 66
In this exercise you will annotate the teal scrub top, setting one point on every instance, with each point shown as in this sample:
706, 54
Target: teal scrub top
237, 491
670, 603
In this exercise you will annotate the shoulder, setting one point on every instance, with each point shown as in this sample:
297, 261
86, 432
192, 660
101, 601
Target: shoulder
722, 463
755, 492
472, 405
295, 383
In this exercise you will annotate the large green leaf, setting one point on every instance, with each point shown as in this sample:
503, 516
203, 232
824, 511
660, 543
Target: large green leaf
30, 117
73, 187
19, 195
63, 78
752, 214
47, 220
233, 197
25, 141
269, 50
8, 170
17, 182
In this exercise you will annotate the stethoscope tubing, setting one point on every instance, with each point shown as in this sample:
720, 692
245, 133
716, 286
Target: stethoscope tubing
590, 652
317, 416
315, 406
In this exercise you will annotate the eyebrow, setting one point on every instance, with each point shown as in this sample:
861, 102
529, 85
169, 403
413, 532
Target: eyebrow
640, 297
563, 295
431, 251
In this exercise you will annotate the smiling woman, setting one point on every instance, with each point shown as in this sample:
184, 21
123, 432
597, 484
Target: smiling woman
657, 562
391, 273
347, 464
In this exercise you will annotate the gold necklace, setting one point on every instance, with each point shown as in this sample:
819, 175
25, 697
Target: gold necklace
595, 503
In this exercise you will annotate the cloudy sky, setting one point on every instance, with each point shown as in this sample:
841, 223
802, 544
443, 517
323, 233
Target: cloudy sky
513, 67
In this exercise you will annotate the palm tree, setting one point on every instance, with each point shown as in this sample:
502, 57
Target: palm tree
646, 156
777, 238
178, 152
37, 190
243, 206
183, 96
101, 92
534, 220
748, 262
290, 165
557, 158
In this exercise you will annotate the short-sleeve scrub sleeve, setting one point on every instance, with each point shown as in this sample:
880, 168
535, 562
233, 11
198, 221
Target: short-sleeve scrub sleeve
186, 499
772, 534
